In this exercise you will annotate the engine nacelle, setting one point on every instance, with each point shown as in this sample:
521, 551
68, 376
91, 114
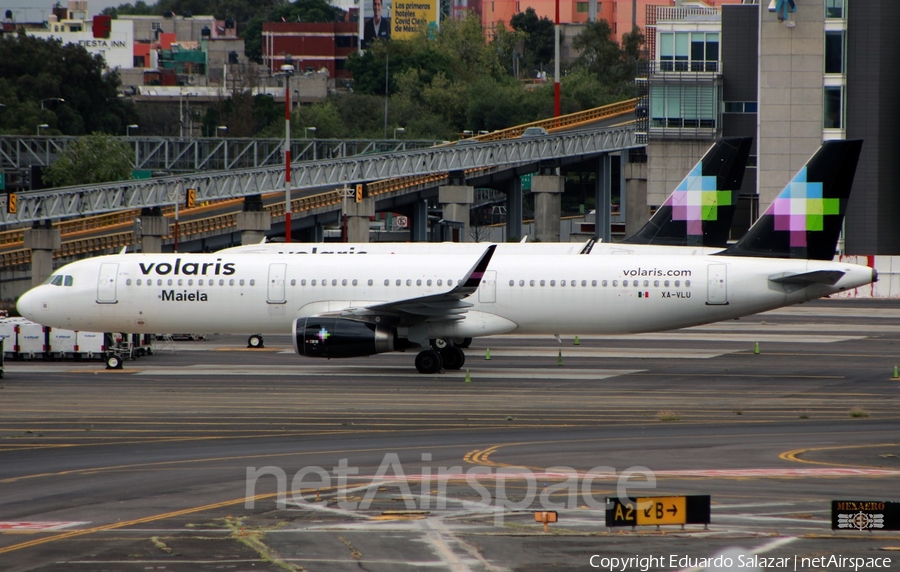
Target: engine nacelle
340, 338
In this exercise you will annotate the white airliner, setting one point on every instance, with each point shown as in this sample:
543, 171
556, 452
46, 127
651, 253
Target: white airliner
345, 307
696, 218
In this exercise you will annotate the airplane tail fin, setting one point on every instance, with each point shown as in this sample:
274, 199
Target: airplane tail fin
805, 220
699, 212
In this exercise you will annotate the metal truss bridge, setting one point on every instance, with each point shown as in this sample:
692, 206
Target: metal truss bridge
319, 173
179, 155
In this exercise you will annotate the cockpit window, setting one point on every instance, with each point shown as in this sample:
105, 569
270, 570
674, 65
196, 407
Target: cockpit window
68, 280
56, 280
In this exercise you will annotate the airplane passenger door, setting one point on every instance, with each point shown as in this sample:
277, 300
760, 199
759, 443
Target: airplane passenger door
106, 283
717, 285
487, 291
276, 283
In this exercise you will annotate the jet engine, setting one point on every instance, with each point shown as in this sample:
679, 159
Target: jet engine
341, 338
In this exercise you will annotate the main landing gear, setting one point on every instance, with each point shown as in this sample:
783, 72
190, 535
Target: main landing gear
445, 355
255, 341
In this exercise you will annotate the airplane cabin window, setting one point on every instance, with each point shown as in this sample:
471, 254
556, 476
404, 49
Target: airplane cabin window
199, 282
677, 283
408, 282
439, 282
666, 283
334, 281
397, 283
354, 282
561, 283
531, 283
128, 282
512, 282
604, 283
521, 282
656, 283
419, 282
687, 283
624, 283
449, 282
387, 282
584, 283
231, 282
646, 283
313, 281
241, 282
428, 283
169, 282
293, 282
615, 283
553, 282
543, 283
159, 282
594, 283
252, 281
138, 282
370, 282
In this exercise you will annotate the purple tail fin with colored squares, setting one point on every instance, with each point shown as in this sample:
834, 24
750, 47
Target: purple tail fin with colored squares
699, 212
805, 220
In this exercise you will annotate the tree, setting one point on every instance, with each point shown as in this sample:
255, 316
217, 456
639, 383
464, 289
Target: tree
91, 159
85, 96
539, 38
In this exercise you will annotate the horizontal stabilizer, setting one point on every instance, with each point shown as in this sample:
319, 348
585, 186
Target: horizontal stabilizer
829, 277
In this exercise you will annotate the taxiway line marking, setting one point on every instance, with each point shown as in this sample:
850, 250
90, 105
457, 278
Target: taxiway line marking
793, 455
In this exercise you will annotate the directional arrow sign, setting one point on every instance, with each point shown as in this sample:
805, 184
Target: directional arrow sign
661, 510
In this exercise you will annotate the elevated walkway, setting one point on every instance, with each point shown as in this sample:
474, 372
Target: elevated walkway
395, 174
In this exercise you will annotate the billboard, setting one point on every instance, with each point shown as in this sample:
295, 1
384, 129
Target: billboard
375, 21
398, 19
412, 16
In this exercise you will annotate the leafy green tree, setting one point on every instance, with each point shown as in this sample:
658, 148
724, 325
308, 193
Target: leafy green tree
84, 96
600, 55
539, 38
95, 158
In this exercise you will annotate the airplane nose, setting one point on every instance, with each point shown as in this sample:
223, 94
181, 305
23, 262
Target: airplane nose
25, 305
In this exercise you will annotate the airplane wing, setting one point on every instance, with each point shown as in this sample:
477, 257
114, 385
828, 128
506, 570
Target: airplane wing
450, 305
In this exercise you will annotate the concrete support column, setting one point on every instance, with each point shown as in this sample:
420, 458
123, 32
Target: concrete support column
42, 241
514, 209
253, 222
547, 191
456, 201
418, 230
635, 186
603, 198
358, 219
153, 229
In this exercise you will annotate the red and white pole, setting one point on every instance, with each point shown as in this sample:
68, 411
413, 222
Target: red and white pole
556, 65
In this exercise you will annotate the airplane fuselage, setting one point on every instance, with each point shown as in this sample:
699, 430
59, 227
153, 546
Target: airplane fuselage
550, 294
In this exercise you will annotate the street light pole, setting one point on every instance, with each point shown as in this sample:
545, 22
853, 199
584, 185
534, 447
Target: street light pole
398, 130
41, 126
128, 129
287, 69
